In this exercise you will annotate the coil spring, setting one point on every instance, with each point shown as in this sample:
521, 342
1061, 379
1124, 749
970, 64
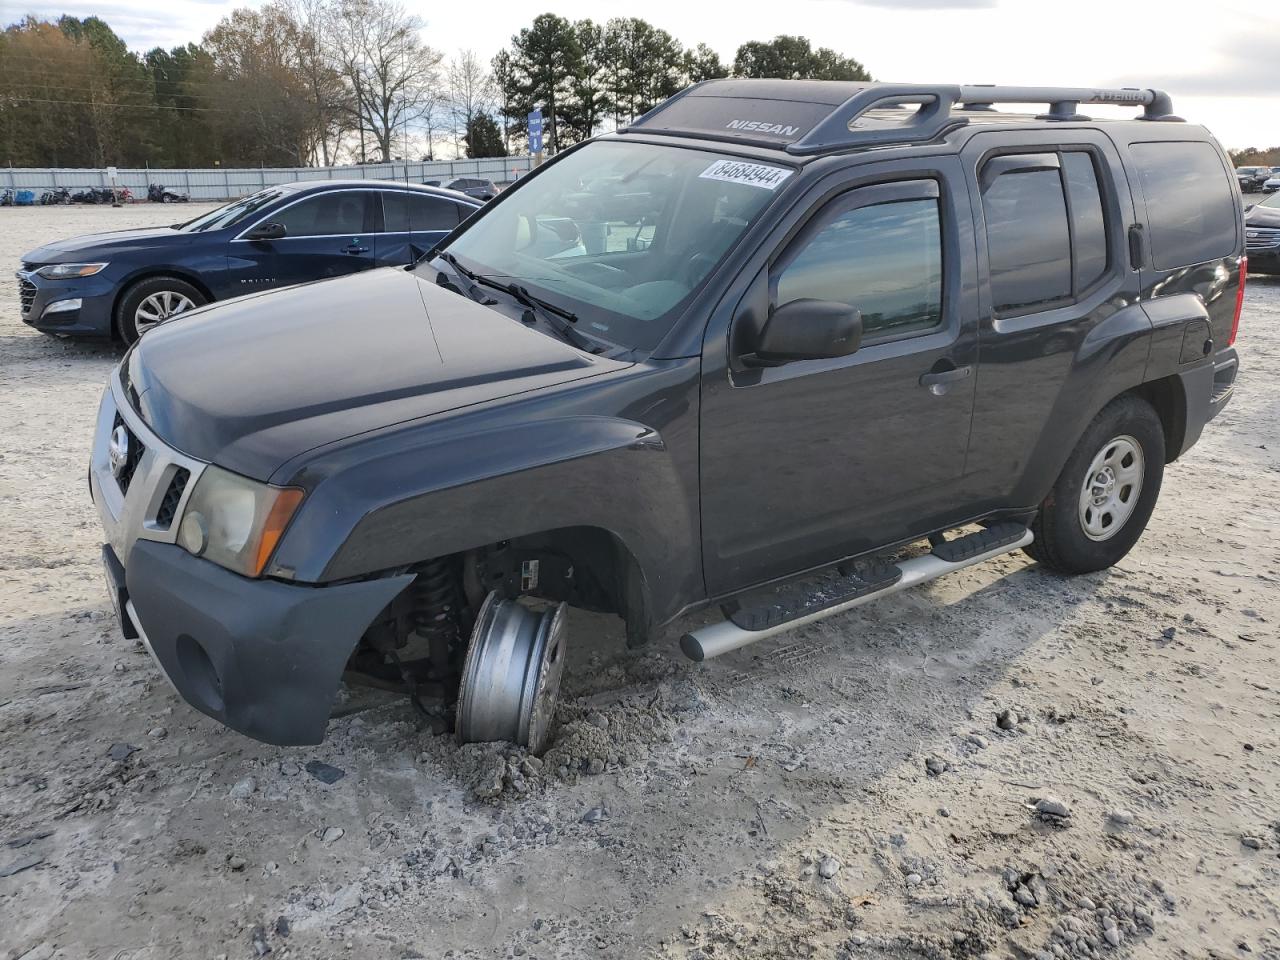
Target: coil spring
435, 600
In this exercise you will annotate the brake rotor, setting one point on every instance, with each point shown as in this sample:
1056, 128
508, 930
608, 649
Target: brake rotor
511, 677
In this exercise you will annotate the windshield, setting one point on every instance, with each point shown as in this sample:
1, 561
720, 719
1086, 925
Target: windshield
621, 234
233, 212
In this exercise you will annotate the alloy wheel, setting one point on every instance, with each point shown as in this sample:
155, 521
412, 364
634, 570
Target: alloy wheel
159, 306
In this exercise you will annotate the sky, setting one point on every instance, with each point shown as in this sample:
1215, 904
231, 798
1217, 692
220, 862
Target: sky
1220, 60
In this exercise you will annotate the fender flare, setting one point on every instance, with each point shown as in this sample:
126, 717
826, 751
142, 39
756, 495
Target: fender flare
396, 500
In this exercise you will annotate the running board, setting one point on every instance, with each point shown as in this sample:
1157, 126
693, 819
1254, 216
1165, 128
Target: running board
804, 602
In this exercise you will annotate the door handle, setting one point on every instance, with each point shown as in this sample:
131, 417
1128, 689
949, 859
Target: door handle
939, 382
353, 248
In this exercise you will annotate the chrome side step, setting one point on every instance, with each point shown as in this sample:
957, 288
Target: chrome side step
719, 638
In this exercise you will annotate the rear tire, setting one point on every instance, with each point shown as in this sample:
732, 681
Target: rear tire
1120, 458
151, 301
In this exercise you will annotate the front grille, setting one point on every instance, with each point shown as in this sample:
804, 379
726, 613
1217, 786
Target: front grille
169, 505
26, 295
133, 457
1261, 238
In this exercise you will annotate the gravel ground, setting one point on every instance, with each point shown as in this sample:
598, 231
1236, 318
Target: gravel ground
1002, 764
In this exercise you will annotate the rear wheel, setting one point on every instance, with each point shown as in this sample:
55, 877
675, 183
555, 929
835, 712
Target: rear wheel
150, 301
1106, 492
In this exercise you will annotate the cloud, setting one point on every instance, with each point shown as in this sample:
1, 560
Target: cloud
926, 4
144, 25
1246, 65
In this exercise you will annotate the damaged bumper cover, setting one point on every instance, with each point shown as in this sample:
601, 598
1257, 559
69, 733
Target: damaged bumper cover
261, 656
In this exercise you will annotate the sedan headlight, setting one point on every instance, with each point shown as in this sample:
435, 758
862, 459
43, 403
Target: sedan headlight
69, 271
236, 522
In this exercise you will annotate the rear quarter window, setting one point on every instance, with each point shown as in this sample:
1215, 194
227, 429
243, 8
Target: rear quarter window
1191, 210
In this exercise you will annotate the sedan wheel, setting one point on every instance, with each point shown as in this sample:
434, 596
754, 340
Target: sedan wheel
153, 300
157, 307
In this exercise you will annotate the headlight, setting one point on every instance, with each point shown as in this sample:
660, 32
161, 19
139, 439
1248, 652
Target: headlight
68, 271
234, 521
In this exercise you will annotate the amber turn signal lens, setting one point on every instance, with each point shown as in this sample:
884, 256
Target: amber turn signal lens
278, 517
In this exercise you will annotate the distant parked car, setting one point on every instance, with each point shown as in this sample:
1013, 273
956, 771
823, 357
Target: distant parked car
159, 193
1251, 179
1262, 236
124, 282
1272, 183
482, 190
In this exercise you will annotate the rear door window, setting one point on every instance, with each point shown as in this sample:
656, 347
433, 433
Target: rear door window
1191, 210
405, 212
341, 212
1028, 241
1046, 232
1088, 223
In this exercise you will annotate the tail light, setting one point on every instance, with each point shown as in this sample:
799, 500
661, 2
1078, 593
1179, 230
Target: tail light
1235, 320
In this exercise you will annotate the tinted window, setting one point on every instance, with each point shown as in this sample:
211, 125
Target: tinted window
404, 212
326, 214
1191, 211
1027, 240
1088, 227
884, 259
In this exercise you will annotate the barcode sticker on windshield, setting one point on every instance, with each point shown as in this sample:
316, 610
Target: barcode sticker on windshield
754, 174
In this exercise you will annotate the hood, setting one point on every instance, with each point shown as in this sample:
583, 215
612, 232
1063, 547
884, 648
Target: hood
253, 382
1261, 216
96, 246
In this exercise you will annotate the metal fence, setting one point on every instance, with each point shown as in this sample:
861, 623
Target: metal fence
223, 183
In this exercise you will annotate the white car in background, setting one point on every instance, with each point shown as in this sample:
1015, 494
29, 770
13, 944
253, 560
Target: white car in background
1272, 183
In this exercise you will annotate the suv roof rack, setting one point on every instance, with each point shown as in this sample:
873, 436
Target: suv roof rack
806, 117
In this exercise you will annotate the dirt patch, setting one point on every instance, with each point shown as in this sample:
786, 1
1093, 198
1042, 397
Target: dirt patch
866, 787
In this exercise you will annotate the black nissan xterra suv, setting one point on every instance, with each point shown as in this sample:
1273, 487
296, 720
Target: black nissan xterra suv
770, 348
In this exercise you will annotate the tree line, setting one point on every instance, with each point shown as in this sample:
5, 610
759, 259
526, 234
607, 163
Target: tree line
1256, 157
303, 82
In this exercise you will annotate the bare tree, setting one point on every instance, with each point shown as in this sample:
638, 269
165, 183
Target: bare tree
471, 92
392, 73
330, 98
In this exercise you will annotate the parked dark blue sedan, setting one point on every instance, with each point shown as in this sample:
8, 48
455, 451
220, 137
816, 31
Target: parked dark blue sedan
124, 282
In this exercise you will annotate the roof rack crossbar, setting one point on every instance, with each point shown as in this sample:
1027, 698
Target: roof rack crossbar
934, 116
1156, 104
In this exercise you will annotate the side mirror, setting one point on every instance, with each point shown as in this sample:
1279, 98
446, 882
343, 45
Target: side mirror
807, 330
266, 231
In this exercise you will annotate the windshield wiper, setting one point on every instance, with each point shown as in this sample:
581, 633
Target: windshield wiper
458, 268
549, 310
471, 278
527, 300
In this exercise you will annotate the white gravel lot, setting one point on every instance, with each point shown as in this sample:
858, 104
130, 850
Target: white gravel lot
775, 803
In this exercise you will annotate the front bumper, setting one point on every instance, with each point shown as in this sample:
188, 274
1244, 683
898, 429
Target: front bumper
262, 656
40, 300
